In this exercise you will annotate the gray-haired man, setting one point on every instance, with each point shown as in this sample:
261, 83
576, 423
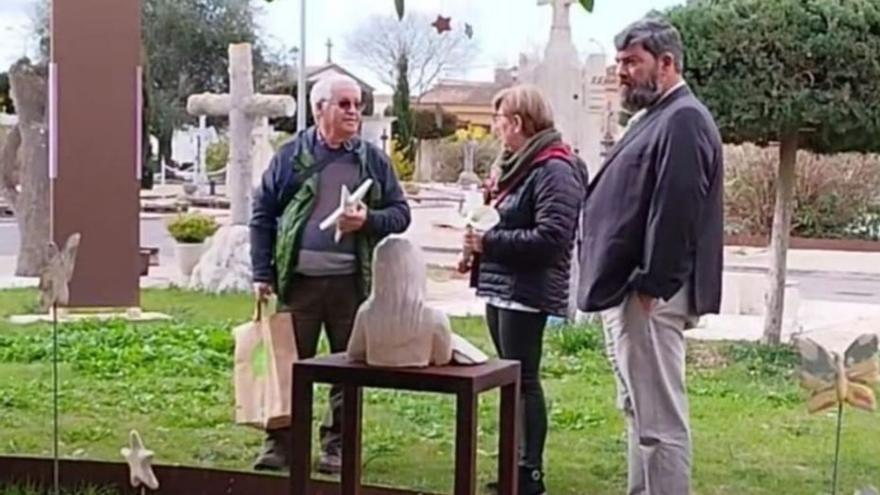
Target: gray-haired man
652, 250
320, 281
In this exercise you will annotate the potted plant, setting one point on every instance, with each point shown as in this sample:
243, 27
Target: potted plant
190, 230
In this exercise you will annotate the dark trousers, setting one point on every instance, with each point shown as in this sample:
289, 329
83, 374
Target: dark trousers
519, 335
331, 303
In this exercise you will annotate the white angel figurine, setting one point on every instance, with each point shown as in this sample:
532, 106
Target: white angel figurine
394, 327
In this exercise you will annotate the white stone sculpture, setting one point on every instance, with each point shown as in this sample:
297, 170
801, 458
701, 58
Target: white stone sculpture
225, 264
395, 327
140, 463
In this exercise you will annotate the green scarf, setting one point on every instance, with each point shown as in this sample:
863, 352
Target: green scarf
513, 163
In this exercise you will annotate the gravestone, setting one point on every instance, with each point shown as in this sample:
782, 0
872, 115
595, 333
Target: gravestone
573, 92
95, 104
574, 88
468, 176
263, 151
226, 264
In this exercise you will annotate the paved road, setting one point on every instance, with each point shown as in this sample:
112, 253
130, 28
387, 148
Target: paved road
831, 286
828, 286
153, 234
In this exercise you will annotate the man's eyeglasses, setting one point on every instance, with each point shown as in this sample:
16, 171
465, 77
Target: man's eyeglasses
350, 105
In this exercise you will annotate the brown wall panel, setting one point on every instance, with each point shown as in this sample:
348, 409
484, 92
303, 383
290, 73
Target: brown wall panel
96, 54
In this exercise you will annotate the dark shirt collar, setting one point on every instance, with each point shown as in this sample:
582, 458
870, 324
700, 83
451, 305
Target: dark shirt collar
347, 145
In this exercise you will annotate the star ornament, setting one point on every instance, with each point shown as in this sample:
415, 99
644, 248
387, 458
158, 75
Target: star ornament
140, 463
442, 24
347, 202
834, 380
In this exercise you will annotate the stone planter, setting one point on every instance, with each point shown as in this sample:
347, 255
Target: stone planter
188, 255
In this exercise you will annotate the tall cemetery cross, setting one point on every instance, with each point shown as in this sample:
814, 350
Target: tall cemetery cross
244, 108
560, 11
94, 145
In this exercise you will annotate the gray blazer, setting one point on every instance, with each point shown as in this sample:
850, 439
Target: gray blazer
654, 215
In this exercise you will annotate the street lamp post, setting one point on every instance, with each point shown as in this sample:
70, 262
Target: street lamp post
301, 77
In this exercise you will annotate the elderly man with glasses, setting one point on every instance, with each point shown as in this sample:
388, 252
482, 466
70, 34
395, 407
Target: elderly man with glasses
320, 281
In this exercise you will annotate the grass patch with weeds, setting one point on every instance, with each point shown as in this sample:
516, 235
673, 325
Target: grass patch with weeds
172, 382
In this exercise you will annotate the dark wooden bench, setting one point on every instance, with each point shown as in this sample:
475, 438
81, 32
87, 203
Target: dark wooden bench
465, 382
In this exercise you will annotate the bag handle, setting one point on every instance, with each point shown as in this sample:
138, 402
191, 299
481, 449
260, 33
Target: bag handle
261, 307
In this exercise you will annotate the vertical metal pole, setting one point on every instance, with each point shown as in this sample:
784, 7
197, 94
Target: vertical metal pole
301, 82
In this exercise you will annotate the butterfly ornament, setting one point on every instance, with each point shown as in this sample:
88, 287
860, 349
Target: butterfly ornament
836, 380
57, 272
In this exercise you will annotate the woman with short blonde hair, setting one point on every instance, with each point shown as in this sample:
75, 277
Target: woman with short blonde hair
521, 266
526, 101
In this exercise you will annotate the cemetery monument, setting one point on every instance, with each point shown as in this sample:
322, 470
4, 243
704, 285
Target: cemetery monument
226, 265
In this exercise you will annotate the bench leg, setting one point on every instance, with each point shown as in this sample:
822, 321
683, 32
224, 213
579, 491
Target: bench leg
466, 444
351, 440
301, 436
507, 440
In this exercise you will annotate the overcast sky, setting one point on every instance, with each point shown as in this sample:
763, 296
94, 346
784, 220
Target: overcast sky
503, 28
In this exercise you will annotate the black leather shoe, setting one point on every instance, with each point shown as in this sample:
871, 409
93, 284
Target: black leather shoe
272, 458
330, 463
531, 481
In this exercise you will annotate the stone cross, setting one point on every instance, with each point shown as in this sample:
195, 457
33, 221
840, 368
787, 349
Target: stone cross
244, 108
560, 12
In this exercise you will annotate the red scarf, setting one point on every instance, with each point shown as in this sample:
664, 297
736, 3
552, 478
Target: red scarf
492, 192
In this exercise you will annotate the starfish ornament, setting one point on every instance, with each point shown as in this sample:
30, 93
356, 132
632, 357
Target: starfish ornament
57, 272
442, 24
140, 463
347, 201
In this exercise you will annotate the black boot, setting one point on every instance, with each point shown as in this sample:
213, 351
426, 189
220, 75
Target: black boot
274, 454
531, 481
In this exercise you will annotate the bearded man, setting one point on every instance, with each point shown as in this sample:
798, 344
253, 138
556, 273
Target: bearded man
652, 253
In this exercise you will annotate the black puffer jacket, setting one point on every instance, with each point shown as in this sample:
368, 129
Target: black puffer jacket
527, 256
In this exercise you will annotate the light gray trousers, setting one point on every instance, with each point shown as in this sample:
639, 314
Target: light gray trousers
647, 354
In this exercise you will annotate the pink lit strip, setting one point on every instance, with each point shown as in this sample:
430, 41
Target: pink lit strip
140, 122
53, 121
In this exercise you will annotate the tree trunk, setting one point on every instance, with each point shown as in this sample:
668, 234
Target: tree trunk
779, 239
165, 148
24, 168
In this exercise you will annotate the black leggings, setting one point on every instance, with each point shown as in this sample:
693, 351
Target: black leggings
519, 335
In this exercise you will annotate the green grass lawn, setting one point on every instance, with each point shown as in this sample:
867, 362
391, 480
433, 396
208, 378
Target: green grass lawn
172, 382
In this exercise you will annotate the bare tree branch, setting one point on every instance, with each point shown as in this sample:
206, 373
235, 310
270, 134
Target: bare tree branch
379, 42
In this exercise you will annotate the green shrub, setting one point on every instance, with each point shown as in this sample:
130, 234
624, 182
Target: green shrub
835, 195
403, 167
192, 228
450, 158
217, 155
571, 340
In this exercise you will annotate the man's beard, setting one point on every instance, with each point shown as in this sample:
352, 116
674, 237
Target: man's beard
639, 95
